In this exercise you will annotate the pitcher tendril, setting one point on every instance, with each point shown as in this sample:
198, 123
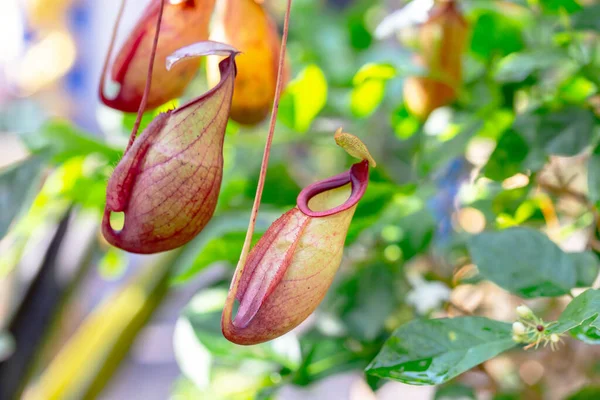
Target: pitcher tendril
144, 102
267, 151
288, 272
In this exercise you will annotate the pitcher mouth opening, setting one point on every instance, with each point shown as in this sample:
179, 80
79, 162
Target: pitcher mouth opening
357, 176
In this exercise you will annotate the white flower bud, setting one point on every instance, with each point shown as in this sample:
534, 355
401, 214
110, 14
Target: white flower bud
518, 328
517, 338
524, 312
554, 338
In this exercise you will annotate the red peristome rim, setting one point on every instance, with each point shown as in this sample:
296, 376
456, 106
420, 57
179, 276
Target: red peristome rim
357, 176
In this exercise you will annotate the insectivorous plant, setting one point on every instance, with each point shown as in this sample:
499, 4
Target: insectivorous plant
168, 181
184, 22
288, 272
532, 330
442, 39
246, 25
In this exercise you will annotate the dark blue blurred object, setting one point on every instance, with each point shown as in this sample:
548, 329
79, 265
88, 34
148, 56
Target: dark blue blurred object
448, 181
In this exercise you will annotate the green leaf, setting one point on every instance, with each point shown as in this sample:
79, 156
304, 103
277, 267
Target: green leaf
583, 310
587, 393
281, 190
366, 97
418, 229
586, 266
454, 391
303, 99
517, 67
559, 6
509, 201
430, 352
16, 183
587, 19
586, 333
65, 141
508, 156
370, 208
496, 34
564, 132
576, 90
220, 240
404, 123
567, 131
523, 261
366, 300
203, 314
324, 356
593, 178
130, 118
369, 88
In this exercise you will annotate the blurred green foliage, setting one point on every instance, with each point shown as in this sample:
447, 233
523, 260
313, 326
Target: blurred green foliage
530, 95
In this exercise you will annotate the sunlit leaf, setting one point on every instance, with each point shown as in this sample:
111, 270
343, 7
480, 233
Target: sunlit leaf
561, 6
366, 97
303, 99
430, 352
369, 88
495, 34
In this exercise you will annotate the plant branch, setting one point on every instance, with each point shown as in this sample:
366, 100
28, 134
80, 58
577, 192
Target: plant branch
564, 191
144, 101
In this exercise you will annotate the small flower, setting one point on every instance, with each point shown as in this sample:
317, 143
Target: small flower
554, 341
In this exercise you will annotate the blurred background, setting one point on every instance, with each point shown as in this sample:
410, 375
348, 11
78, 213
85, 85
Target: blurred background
505, 140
